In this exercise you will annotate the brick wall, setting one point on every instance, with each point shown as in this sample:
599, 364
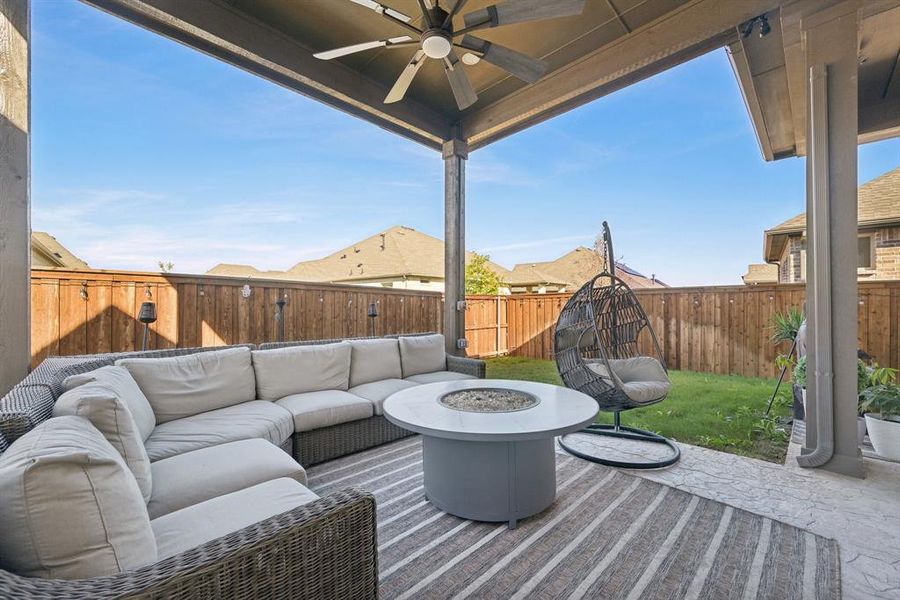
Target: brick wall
887, 253
887, 257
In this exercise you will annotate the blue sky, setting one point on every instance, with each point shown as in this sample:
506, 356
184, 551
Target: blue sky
144, 150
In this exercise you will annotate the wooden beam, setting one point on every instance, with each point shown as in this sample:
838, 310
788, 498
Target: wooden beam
455, 153
226, 33
686, 32
15, 199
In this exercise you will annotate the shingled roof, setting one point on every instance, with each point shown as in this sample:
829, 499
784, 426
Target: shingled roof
878, 204
47, 252
394, 253
574, 269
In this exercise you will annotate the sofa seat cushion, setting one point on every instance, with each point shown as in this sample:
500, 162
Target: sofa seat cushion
422, 354
105, 409
126, 388
255, 419
194, 477
377, 392
195, 525
297, 369
374, 360
183, 386
71, 509
313, 410
438, 376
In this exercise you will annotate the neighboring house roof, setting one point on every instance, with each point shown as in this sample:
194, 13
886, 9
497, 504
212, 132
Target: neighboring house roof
402, 252
577, 267
47, 252
878, 204
761, 273
395, 253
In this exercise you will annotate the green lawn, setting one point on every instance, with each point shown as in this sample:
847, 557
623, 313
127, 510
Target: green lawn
724, 412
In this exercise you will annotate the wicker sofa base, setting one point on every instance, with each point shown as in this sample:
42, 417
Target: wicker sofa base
320, 445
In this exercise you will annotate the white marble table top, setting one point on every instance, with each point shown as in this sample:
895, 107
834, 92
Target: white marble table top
560, 411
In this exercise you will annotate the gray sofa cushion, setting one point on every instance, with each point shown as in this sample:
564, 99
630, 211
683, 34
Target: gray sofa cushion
182, 386
374, 360
299, 369
71, 508
194, 477
422, 354
109, 413
313, 410
123, 384
377, 392
256, 419
195, 525
439, 376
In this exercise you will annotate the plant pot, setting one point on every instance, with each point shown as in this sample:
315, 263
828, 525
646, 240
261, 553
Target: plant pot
860, 429
885, 436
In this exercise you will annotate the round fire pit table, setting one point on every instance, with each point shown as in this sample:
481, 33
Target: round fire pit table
488, 450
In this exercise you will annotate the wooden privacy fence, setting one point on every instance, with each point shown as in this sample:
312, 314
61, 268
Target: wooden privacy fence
96, 311
707, 329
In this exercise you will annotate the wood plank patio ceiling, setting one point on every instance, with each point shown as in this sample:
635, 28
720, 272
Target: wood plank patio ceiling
611, 45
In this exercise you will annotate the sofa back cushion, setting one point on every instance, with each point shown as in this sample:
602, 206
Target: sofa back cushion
119, 380
107, 411
423, 354
300, 369
374, 360
182, 386
71, 508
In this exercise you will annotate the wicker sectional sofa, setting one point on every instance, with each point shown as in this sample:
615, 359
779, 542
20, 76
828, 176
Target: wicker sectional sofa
184, 444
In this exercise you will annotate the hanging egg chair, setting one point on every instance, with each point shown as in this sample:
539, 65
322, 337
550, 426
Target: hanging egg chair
598, 350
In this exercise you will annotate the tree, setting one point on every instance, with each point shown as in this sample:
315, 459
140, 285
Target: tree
166, 267
480, 278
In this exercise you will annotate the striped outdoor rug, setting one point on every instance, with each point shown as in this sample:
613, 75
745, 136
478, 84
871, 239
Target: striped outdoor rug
608, 535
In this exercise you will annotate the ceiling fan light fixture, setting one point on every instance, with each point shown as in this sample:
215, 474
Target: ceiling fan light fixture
436, 44
470, 59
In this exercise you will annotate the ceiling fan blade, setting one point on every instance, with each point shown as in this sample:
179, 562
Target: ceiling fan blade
520, 11
344, 51
409, 72
515, 63
462, 88
394, 16
383, 10
453, 12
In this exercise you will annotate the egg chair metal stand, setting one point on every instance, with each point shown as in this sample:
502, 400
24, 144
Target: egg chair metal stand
597, 346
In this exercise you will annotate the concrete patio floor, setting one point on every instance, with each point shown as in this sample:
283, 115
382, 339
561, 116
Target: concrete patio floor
863, 515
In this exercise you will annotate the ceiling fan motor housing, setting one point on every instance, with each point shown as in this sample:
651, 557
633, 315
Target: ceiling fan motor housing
437, 42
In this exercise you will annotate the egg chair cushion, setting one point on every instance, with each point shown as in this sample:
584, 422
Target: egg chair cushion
642, 378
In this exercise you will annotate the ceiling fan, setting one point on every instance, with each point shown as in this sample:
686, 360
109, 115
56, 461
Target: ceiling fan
438, 40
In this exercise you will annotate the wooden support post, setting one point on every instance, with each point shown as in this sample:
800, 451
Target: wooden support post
455, 153
831, 38
15, 200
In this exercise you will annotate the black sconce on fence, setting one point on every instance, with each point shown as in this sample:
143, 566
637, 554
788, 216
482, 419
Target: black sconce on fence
147, 316
373, 314
279, 317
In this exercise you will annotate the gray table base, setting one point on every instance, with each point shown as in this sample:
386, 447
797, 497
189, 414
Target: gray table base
490, 481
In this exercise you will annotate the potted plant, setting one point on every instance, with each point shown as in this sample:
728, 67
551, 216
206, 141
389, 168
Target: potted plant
881, 404
869, 377
866, 378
